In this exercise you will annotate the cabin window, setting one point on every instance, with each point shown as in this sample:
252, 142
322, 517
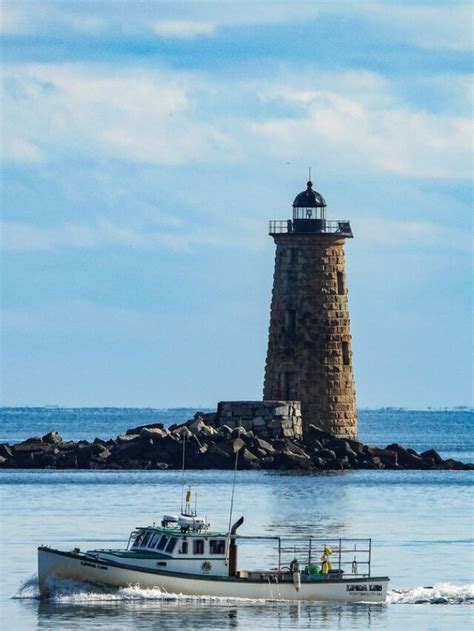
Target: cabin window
138, 540
345, 354
145, 539
184, 547
154, 540
340, 283
161, 563
217, 546
198, 547
162, 543
171, 544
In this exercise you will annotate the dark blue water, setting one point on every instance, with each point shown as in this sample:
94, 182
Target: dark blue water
448, 431
420, 521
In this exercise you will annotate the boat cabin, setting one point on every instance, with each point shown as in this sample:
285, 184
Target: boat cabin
183, 544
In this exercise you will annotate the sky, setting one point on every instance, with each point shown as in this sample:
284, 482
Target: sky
145, 146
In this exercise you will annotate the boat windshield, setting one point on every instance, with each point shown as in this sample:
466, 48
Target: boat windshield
152, 540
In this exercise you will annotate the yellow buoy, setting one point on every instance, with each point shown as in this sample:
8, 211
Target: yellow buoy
326, 564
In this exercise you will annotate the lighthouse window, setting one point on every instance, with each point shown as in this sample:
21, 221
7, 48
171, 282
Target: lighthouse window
293, 255
162, 543
290, 318
198, 547
345, 354
217, 546
289, 386
340, 283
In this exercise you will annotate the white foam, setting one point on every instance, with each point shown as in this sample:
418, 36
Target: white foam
29, 589
79, 592
64, 590
442, 593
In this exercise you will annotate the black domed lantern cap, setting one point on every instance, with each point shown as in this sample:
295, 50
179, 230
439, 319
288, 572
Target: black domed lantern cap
309, 198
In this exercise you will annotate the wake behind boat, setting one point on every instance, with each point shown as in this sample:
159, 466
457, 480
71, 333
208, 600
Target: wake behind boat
183, 555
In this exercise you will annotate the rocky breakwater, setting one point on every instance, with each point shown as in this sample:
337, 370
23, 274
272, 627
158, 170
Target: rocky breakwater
209, 446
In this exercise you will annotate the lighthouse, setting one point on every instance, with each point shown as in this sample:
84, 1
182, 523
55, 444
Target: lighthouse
309, 356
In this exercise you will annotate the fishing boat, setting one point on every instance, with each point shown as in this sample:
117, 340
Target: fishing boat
183, 555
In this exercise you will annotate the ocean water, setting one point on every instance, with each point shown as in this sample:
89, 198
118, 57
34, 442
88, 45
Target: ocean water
421, 523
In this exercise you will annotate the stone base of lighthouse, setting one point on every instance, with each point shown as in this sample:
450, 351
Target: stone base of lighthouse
309, 357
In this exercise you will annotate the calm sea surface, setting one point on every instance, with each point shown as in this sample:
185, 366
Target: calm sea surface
421, 523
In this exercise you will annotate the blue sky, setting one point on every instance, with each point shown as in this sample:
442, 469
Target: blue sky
145, 145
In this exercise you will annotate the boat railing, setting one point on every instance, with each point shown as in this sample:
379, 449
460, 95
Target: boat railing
348, 556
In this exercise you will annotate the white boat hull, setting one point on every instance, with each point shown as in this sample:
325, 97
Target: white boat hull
81, 567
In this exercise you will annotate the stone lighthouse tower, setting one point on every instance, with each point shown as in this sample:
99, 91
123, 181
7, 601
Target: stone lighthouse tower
309, 357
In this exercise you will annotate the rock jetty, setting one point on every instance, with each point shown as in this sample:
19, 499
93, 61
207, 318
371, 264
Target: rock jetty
209, 446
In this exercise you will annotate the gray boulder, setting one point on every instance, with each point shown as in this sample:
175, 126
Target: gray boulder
433, 457
5, 451
53, 438
137, 430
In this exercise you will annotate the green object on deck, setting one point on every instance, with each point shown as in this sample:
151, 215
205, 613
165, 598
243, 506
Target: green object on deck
312, 569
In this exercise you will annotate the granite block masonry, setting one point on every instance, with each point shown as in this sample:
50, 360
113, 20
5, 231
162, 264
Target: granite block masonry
267, 419
309, 356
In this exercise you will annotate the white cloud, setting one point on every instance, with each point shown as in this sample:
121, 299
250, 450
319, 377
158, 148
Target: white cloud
12, 19
406, 233
81, 316
163, 117
141, 116
446, 25
22, 237
183, 28
366, 126
30, 16
27, 237
241, 233
18, 150
202, 19
438, 25
206, 18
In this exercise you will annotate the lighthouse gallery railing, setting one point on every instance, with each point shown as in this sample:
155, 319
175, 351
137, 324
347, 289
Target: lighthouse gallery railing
318, 226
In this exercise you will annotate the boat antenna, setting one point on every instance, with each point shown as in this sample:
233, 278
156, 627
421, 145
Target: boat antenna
182, 473
233, 481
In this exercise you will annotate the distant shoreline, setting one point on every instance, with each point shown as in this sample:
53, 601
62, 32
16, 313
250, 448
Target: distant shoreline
457, 408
